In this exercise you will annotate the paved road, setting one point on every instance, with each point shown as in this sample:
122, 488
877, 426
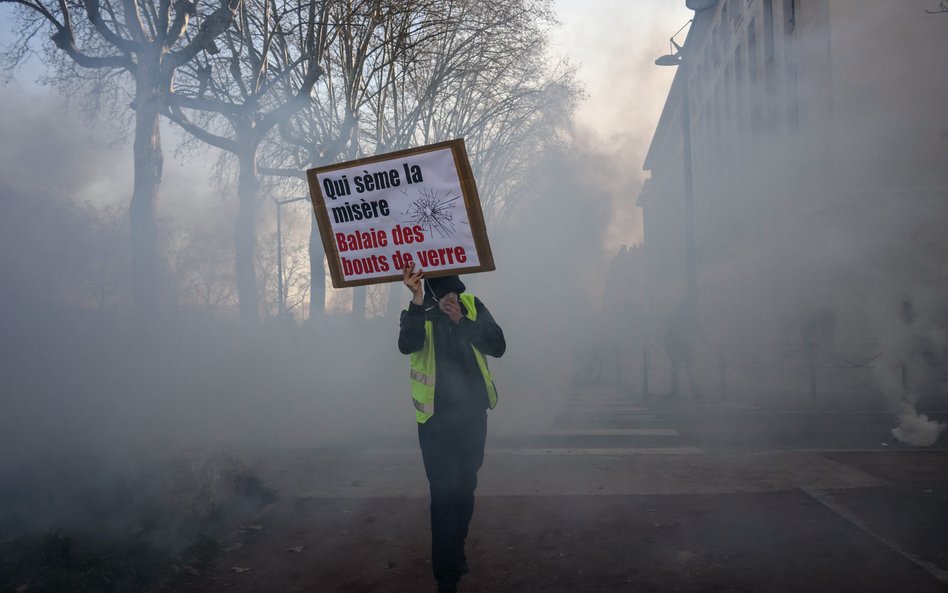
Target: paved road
615, 495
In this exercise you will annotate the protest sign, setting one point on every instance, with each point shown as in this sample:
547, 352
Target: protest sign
379, 214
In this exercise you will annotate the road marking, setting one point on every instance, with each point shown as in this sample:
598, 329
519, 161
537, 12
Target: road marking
581, 405
640, 432
832, 504
894, 450
613, 451
611, 412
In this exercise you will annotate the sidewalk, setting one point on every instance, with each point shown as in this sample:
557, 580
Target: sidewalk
606, 496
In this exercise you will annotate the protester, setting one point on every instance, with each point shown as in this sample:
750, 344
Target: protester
682, 333
447, 333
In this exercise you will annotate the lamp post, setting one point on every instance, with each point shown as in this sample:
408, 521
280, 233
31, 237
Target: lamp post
677, 58
281, 290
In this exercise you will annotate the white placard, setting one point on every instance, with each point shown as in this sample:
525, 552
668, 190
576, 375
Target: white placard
385, 214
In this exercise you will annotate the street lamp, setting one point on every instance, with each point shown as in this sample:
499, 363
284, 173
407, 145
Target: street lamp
281, 290
697, 5
676, 58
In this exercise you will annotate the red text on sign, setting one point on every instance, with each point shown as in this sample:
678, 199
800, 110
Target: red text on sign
444, 256
407, 235
364, 265
371, 239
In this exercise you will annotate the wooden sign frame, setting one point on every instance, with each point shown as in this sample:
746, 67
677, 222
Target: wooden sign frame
472, 206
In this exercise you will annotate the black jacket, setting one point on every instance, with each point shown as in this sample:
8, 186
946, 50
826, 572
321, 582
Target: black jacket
459, 385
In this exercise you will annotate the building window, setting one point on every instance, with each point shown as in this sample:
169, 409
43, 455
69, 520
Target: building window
716, 46
752, 51
769, 30
736, 16
792, 93
753, 58
728, 106
793, 99
739, 85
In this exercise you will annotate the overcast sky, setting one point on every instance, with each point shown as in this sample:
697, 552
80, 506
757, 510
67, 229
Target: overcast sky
613, 44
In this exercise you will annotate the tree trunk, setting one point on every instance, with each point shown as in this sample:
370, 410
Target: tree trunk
143, 231
395, 304
358, 302
317, 274
245, 237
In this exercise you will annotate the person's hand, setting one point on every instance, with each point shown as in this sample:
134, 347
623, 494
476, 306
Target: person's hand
449, 306
412, 280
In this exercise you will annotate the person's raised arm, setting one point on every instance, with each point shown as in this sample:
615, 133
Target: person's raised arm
484, 333
411, 334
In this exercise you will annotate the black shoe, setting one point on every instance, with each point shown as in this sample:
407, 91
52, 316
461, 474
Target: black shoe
448, 588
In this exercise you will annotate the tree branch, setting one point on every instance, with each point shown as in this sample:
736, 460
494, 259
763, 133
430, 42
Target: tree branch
942, 8
95, 16
293, 104
64, 40
281, 172
175, 114
205, 104
215, 24
38, 8
133, 20
183, 11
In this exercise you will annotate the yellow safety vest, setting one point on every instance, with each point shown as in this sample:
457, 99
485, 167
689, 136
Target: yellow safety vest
423, 369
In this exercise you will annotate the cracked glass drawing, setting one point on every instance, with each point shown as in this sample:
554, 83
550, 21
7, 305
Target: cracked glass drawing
433, 212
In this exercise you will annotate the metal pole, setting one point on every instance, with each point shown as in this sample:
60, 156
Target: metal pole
811, 356
689, 188
280, 296
281, 287
645, 373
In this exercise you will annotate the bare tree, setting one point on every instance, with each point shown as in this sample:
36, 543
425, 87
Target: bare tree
200, 266
55, 252
421, 71
236, 97
942, 8
148, 40
486, 78
296, 281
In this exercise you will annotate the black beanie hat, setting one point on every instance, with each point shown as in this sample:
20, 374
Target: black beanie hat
442, 285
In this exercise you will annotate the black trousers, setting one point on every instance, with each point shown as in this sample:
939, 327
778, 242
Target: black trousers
453, 451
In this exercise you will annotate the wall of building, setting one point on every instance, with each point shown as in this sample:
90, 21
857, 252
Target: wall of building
819, 132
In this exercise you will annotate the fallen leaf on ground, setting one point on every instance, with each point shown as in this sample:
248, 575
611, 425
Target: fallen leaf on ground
296, 549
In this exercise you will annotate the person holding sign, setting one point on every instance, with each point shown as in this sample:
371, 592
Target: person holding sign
447, 332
